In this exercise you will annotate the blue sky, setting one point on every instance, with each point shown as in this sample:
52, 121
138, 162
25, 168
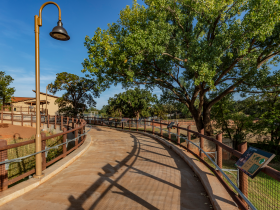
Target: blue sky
17, 47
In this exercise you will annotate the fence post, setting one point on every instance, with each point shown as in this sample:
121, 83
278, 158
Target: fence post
115, 123
2, 115
136, 125
48, 118
76, 135
73, 124
82, 132
153, 128
12, 116
178, 134
61, 123
3, 171
129, 124
67, 122
189, 138
201, 141
64, 140
144, 125
219, 150
31, 120
55, 122
21, 119
161, 135
44, 159
243, 178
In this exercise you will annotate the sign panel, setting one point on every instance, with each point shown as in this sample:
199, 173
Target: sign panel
253, 160
170, 125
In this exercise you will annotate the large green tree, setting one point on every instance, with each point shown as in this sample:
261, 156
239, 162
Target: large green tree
79, 92
6, 92
190, 49
131, 103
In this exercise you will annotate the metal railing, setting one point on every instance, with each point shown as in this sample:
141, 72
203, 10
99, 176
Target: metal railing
262, 192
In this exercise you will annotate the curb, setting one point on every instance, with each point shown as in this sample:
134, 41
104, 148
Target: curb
32, 183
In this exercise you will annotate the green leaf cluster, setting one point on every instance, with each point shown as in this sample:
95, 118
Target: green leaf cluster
190, 50
79, 93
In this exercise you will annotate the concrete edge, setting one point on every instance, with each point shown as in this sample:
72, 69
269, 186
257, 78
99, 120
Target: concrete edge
213, 189
50, 172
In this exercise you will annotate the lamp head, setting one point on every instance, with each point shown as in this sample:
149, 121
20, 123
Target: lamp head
59, 32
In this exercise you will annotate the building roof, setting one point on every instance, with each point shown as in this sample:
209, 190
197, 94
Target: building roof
45, 94
34, 102
18, 99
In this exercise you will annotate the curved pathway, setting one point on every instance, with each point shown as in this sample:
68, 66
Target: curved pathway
120, 170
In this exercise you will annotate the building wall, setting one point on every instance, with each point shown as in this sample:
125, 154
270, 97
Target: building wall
52, 107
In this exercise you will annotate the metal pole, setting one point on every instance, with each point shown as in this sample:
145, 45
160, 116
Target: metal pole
38, 145
37, 80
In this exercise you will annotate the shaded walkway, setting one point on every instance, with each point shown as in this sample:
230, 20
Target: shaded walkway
119, 171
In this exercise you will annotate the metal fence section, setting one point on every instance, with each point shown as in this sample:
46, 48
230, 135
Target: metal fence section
262, 192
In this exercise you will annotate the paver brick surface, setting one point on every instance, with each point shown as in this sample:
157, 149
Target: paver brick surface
119, 171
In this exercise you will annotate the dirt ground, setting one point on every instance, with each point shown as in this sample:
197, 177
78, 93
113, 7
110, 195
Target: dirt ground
8, 131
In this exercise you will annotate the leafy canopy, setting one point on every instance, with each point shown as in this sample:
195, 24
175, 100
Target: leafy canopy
190, 49
131, 103
6, 92
79, 93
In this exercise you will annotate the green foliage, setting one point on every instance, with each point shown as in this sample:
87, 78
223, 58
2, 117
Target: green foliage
79, 92
229, 116
131, 103
189, 49
6, 92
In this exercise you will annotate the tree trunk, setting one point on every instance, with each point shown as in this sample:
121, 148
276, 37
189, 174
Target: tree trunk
137, 115
203, 123
207, 122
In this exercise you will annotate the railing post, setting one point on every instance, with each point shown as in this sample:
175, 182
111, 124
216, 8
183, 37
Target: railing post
161, 134
12, 116
21, 119
243, 178
136, 125
3, 171
73, 124
31, 120
201, 141
2, 109
55, 122
153, 128
189, 138
219, 150
169, 134
82, 132
76, 135
67, 122
61, 123
48, 118
129, 124
44, 159
178, 134
144, 125
64, 141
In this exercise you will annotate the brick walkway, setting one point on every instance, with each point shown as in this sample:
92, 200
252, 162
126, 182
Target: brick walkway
119, 171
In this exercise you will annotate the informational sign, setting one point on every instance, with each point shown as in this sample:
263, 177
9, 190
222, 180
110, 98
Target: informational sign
253, 160
170, 125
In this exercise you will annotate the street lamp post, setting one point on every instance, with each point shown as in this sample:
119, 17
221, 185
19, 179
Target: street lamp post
59, 33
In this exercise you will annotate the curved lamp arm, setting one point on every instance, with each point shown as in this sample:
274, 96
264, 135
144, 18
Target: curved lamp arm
40, 11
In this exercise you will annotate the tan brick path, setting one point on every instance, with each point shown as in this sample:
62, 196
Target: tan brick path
119, 171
